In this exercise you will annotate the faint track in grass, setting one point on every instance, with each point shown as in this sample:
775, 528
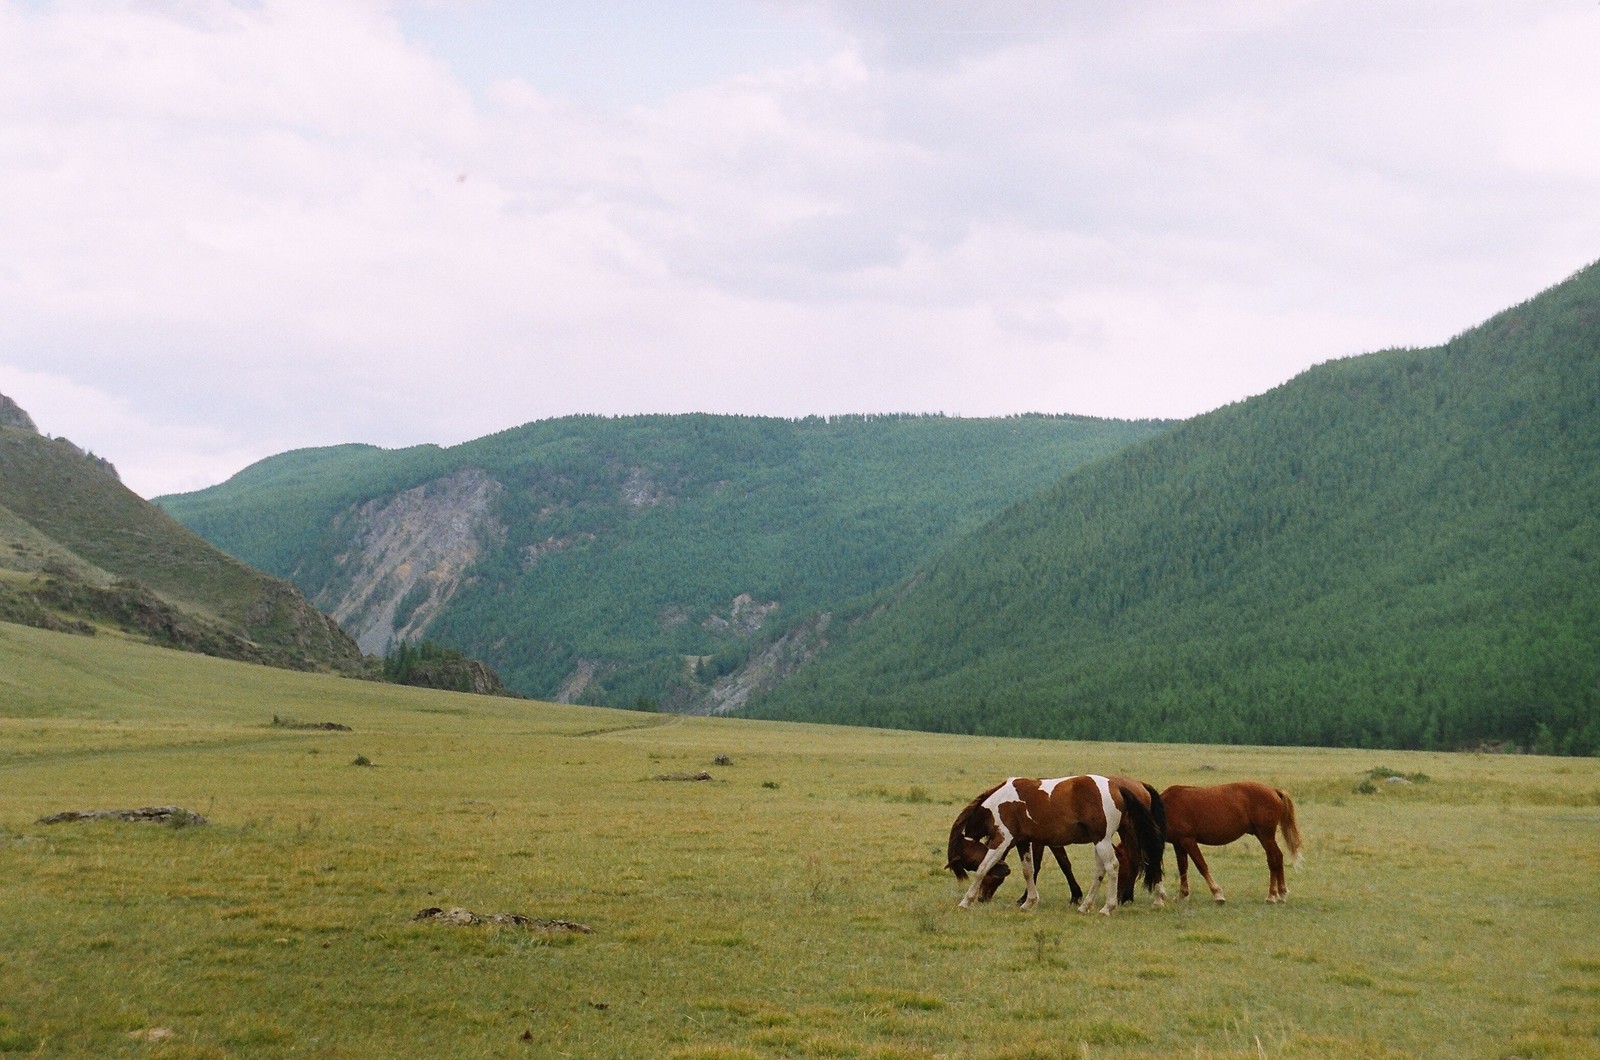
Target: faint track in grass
88, 753
659, 722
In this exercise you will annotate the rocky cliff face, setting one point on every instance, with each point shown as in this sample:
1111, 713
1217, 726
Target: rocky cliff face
766, 669
410, 553
12, 415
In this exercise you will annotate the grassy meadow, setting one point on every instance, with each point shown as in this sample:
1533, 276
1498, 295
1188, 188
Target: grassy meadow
794, 905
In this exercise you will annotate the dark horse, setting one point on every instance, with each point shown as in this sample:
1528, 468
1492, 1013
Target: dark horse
1218, 815
1028, 814
1128, 860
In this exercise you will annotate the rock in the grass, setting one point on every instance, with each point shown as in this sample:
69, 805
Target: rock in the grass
449, 916
174, 815
465, 917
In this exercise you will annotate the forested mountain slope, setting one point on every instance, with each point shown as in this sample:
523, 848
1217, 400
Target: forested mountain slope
1400, 549
637, 560
79, 550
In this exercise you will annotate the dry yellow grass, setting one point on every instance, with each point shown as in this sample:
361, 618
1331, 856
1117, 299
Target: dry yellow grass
794, 905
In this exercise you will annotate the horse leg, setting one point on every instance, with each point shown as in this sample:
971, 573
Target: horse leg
1205, 870
1127, 875
1105, 856
1066, 868
1094, 885
1183, 868
1030, 874
1037, 857
992, 882
1277, 890
989, 861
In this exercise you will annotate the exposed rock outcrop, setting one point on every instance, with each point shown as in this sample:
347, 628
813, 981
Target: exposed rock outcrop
745, 617
641, 491
456, 673
767, 668
410, 553
578, 681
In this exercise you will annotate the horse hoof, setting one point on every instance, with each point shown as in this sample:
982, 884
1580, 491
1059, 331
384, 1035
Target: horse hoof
1222, 899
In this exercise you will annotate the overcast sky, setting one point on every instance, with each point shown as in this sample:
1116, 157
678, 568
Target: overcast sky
229, 228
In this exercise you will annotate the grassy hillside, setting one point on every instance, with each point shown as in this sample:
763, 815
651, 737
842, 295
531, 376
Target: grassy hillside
618, 550
1400, 549
793, 905
76, 545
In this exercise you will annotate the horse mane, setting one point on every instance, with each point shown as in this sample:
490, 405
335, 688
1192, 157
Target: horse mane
1152, 839
958, 831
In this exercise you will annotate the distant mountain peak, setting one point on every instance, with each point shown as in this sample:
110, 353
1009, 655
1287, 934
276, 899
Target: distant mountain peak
13, 415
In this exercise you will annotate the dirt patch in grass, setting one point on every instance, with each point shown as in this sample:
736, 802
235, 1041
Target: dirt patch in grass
466, 918
176, 816
296, 723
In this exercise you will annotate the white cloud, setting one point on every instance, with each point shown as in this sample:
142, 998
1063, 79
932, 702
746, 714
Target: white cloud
229, 229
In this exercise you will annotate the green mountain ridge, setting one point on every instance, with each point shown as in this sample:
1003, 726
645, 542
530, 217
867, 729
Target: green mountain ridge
628, 561
1399, 549
79, 550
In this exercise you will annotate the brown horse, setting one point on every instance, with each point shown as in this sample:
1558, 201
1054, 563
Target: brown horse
1026, 813
1218, 815
1128, 859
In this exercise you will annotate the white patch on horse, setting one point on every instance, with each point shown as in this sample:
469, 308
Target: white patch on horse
1105, 854
1002, 795
1049, 786
1005, 793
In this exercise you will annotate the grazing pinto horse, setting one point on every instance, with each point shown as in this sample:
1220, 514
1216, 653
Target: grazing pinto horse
1026, 813
1129, 858
1218, 815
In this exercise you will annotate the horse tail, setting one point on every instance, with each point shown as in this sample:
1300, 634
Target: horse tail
1291, 830
1152, 840
1158, 810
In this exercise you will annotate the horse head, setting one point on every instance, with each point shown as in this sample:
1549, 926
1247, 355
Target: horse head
966, 854
967, 860
970, 837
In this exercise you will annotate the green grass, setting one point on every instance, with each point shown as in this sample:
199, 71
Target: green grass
732, 918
